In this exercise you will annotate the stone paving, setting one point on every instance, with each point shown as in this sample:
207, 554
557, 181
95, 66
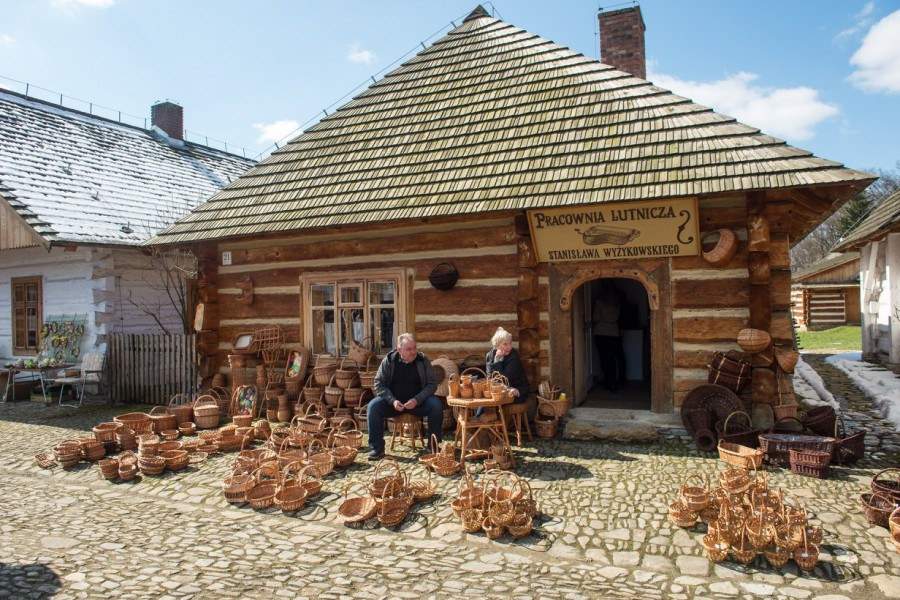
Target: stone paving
602, 528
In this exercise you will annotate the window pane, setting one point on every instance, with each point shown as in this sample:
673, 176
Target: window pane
32, 328
19, 327
31, 292
351, 294
352, 328
381, 292
323, 295
382, 328
18, 293
323, 330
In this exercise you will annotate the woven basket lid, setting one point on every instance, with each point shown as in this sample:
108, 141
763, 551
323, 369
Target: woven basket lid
449, 368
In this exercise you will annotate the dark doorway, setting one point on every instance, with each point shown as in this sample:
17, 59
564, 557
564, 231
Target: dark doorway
616, 327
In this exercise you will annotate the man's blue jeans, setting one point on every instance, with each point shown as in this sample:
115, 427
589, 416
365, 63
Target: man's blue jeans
379, 409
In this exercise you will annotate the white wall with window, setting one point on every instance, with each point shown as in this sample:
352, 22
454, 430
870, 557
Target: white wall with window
369, 307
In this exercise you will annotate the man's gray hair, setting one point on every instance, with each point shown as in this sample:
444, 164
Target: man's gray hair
403, 338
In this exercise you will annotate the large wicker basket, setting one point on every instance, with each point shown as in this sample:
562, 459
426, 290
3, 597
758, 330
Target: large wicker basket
206, 412
753, 340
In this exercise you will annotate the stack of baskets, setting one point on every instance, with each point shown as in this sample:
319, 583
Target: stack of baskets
746, 518
552, 406
503, 502
884, 499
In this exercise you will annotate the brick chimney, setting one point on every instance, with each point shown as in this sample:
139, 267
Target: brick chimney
169, 117
622, 40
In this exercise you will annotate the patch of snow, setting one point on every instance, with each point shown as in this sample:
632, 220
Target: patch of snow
809, 386
876, 382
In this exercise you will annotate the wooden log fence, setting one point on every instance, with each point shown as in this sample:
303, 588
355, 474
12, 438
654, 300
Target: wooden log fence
151, 368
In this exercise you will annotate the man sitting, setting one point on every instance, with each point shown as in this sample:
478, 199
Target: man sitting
405, 382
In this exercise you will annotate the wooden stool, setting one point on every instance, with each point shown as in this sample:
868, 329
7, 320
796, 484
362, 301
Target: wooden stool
517, 417
408, 427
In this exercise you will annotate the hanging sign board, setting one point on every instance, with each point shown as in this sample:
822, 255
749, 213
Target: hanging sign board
611, 231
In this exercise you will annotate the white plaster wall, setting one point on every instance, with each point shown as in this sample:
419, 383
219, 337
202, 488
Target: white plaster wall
66, 286
134, 287
892, 287
95, 282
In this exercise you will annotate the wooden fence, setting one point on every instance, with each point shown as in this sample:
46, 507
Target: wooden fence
151, 367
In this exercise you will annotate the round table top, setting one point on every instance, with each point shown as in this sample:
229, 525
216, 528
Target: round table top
477, 402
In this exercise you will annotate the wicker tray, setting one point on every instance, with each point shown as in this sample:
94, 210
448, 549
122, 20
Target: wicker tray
717, 398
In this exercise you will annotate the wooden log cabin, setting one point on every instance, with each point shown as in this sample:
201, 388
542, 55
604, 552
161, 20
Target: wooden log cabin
521, 163
826, 294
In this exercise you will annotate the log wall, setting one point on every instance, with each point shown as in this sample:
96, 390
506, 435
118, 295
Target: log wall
498, 285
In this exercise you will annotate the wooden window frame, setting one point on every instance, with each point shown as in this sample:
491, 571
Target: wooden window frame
24, 348
399, 276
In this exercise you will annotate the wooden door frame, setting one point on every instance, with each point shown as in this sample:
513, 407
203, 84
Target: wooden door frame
655, 276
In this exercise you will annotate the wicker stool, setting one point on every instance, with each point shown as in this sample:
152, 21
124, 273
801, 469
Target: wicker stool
517, 418
408, 428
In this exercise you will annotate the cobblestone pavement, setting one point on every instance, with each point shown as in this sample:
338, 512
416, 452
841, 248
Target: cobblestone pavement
602, 529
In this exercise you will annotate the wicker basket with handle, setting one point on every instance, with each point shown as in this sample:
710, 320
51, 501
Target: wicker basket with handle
181, 407
357, 509
360, 352
162, 419
347, 374
324, 368
290, 494
206, 412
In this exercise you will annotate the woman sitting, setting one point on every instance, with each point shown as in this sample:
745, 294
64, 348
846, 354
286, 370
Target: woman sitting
504, 359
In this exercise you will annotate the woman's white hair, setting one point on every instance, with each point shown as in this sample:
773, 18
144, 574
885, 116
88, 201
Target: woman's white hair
404, 337
500, 336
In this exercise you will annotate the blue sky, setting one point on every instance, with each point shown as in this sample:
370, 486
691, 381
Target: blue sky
822, 74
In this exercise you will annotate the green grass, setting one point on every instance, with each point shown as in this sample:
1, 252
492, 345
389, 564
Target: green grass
846, 338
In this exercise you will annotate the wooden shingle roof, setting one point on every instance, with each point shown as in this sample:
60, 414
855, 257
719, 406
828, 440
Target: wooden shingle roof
492, 118
884, 219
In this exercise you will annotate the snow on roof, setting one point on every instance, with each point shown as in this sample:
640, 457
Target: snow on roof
79, 178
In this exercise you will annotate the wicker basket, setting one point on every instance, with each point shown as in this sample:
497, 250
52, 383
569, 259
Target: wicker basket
109, 468
777, 446
681, 516
367, 376
786, 359
136, 422
887, 483
753, 340
262, 494
162, 419
187, 428
180, 406
715, 546
723, 251
807, 555
333, 394
695, 498
443, 276
740, 433
848, 449
357, 509
128, 472
380, 478
206, 412
546, 422
324, 369
151, 465
290, 495
106, 432
176, 460
877, 507
739, 456
821, 420
394, 504
235, 488
347, 374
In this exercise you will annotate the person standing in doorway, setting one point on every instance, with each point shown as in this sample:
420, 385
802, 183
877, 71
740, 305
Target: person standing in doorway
605, 316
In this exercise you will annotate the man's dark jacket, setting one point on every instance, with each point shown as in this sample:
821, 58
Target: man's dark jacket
386, 374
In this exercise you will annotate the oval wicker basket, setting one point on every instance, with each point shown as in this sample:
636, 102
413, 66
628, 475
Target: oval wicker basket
443, 276
724, 249
137, 422
753, 340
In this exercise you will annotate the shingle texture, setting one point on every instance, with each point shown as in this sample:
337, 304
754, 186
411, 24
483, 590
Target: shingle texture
76, 178
883, 219
491, 118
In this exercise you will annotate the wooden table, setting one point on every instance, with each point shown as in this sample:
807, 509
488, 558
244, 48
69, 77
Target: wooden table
467, 427
11, 379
